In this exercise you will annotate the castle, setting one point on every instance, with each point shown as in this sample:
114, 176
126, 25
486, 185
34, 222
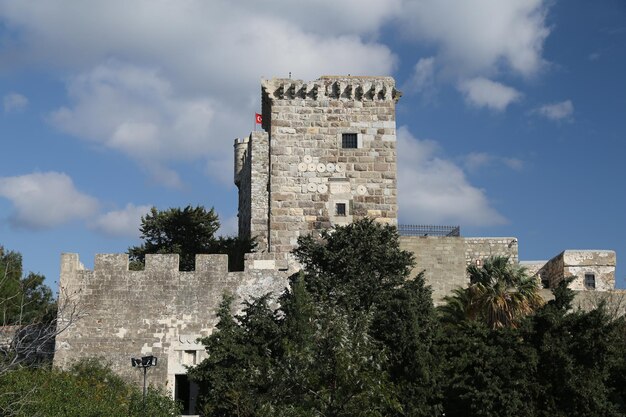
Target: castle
326, 156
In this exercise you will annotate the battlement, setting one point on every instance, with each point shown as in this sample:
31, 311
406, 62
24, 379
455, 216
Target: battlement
333, 87
215, 264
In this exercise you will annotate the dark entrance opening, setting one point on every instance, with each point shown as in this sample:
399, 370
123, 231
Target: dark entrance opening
186, 392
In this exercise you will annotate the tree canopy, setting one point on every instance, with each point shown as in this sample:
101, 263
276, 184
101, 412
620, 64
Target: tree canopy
186, 232
352, 337
24, 299
355, 335
499, 294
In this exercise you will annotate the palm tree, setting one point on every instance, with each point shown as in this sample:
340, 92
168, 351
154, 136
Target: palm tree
499, 294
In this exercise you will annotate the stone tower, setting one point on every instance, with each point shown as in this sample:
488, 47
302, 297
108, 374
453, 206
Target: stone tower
326, 156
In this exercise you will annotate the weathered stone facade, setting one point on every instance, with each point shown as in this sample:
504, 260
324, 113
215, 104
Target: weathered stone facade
159, 311
597, 267
312, 180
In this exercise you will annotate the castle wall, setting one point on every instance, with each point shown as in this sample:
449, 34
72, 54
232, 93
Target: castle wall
160, 311
310, 173
477, 249
444, 259
441, 258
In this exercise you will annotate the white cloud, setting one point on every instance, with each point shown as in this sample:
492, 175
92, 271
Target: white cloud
515, 164
423, 76
434, 190
207, 47
43, 200
136, 111
481, 92
557, 111
477, 160
14, 102
480, 37
124, 223
181, 90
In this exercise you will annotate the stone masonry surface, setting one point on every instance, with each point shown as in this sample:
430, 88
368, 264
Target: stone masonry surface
160, 311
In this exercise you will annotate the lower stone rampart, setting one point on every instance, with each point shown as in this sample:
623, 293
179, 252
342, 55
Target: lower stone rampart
444, 259
159, 311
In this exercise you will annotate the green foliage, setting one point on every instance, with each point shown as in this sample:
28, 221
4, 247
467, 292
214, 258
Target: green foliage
353, 337
406, 324
355, 265
88, 389
237, 372
500, 294
581, 362
489, 373
556, 362
23, 299
187, 232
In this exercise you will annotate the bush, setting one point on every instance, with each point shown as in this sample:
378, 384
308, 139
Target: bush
87, 389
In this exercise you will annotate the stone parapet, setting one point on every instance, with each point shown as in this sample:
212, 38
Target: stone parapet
357, 88
478, 249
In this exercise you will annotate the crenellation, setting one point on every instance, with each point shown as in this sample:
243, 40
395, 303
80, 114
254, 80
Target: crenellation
111, 262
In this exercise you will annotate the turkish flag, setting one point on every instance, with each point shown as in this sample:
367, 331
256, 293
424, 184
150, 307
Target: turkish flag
258, 118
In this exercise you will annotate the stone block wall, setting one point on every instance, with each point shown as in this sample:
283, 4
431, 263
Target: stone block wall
441, 258
160, 311
444, 259
309, 172
477, 249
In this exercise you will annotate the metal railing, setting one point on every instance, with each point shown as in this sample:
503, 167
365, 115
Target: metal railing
426, 230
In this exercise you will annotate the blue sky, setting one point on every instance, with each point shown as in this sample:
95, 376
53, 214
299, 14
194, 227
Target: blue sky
512, 121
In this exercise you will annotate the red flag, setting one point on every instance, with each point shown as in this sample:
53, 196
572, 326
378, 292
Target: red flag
258, 118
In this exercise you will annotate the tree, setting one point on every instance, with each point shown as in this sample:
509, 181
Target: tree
352, 337
23, 299
234, 378
28, 315
489, 373
355, 265
499, 294
582, 362
187, 232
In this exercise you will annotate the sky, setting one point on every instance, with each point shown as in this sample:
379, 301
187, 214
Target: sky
512, 120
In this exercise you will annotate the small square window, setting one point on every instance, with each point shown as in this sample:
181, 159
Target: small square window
349, 141
340, 209
590, 281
